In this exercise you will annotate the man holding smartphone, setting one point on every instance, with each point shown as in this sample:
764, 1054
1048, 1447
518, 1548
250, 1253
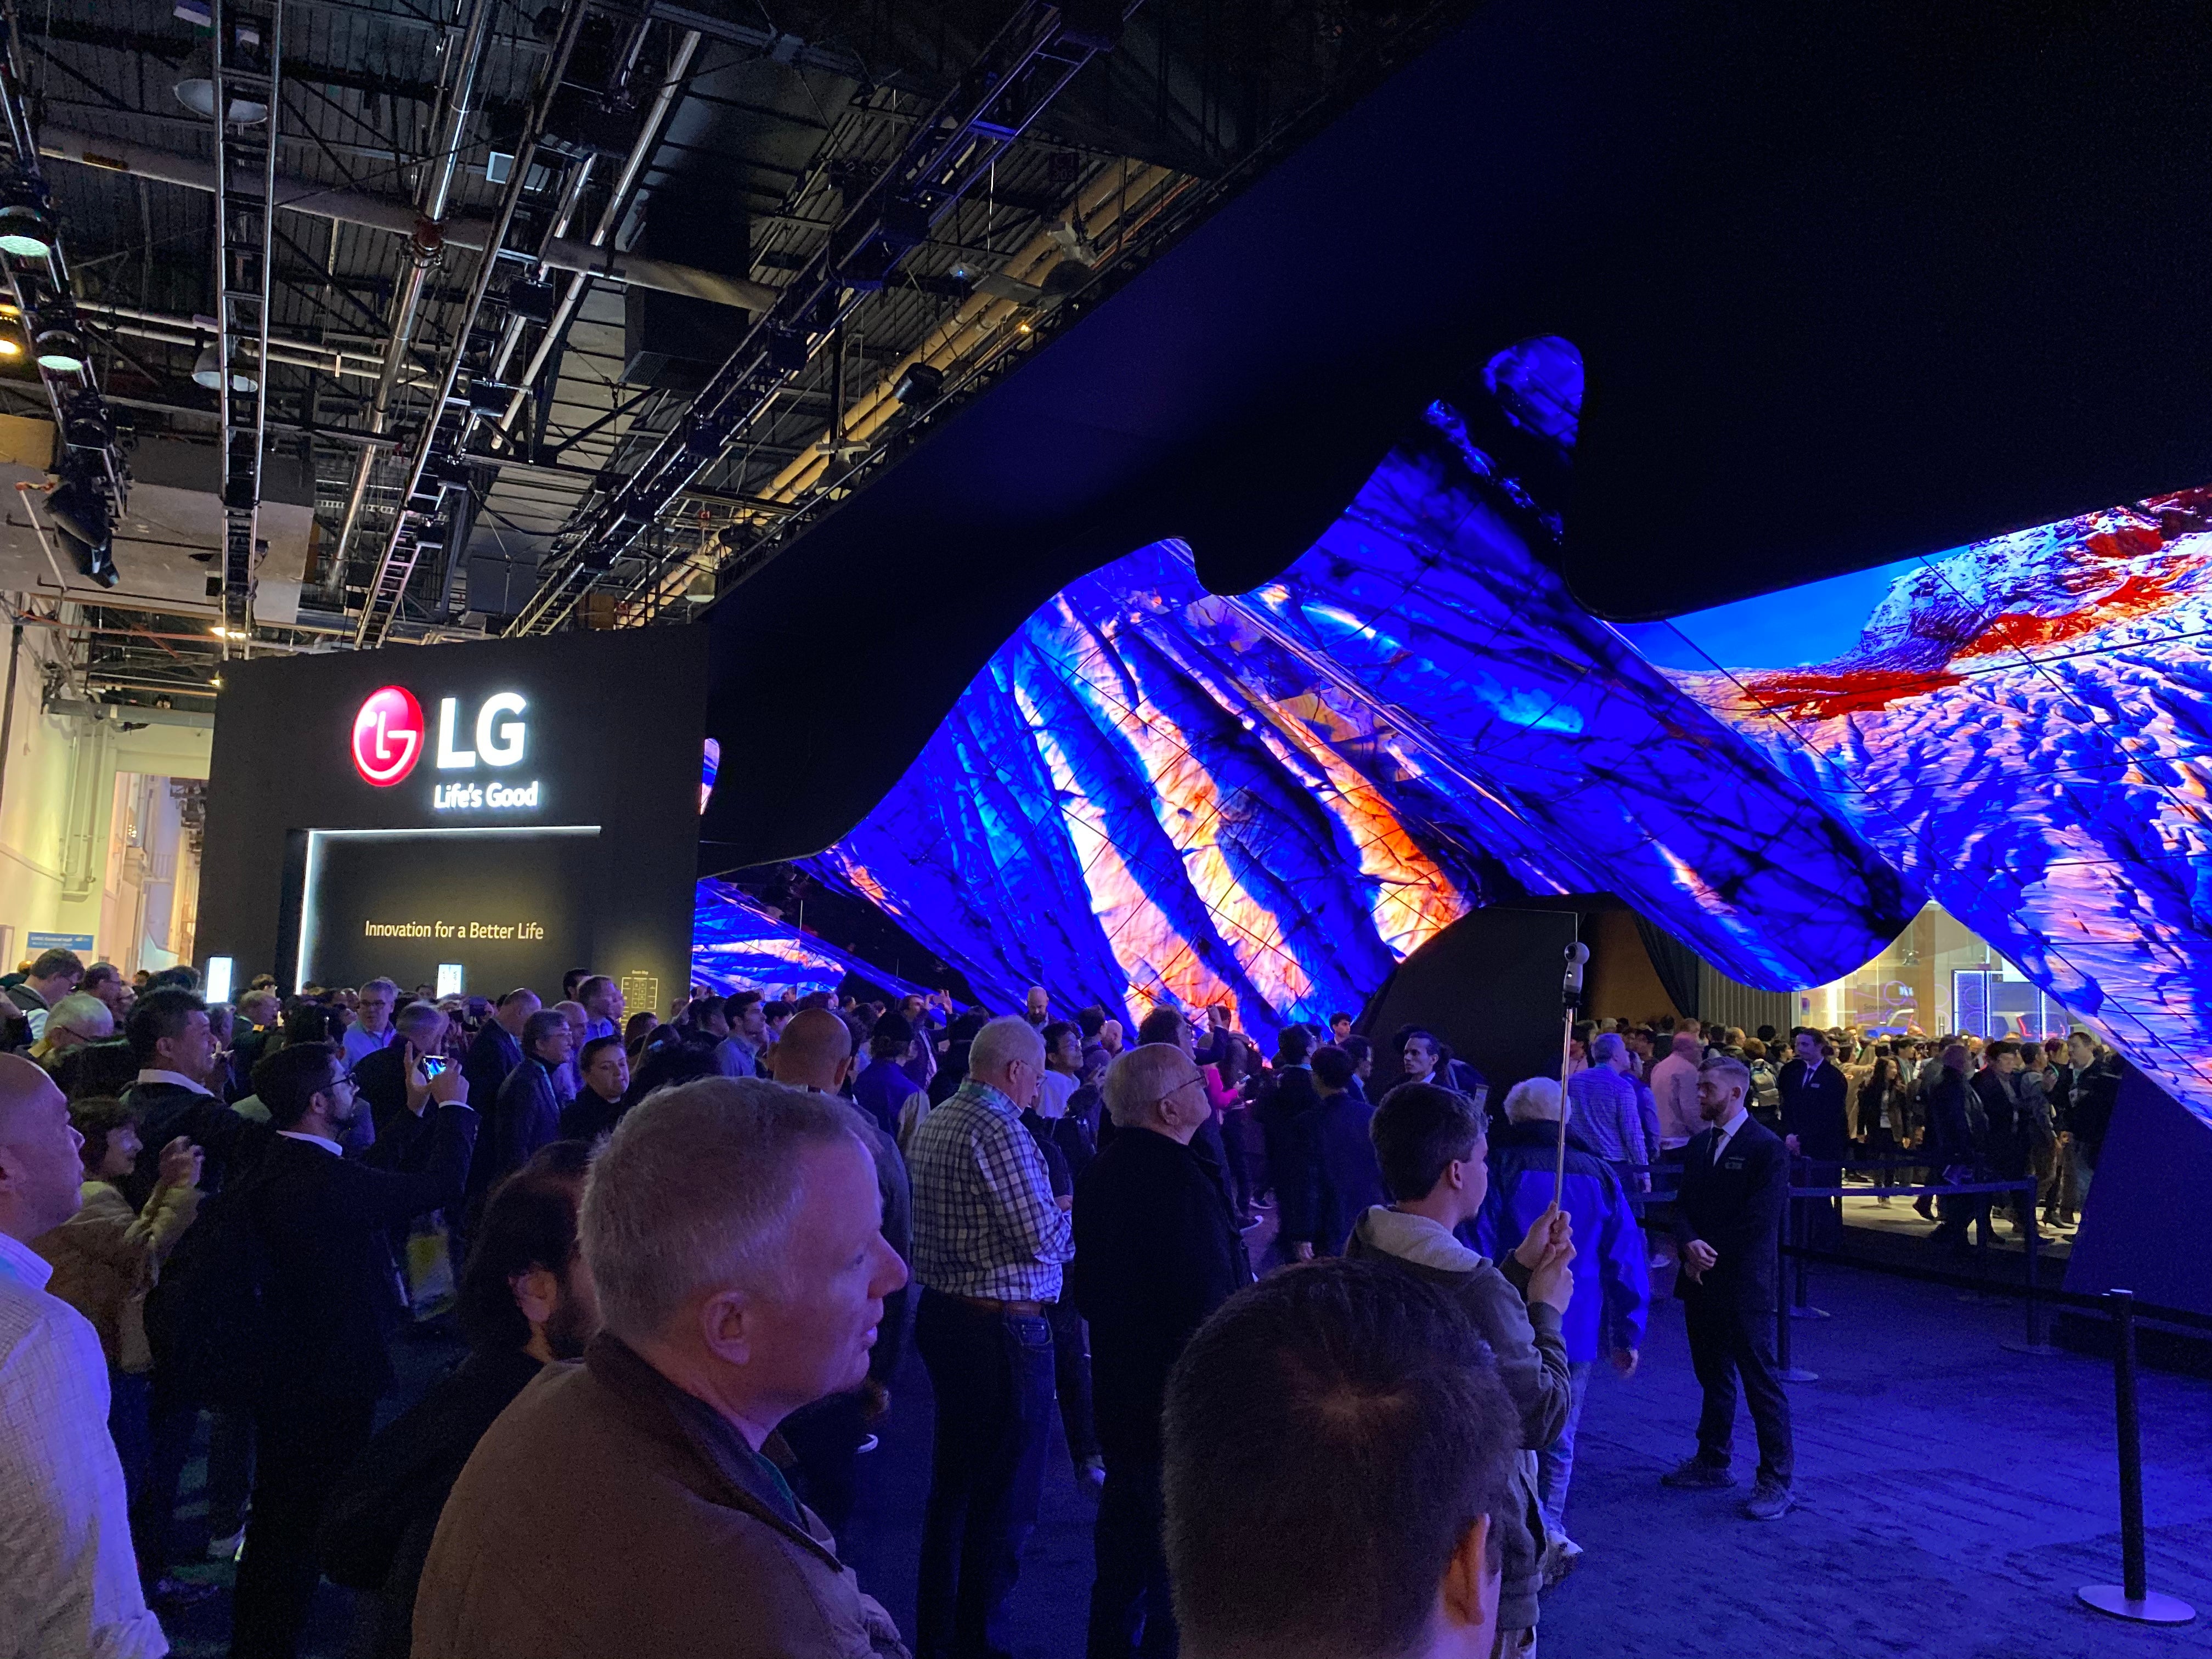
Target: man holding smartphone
382, 1076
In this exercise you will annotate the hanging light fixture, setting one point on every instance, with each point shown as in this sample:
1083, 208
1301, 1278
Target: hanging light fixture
26, 230
196, 84
60, 349
207, 372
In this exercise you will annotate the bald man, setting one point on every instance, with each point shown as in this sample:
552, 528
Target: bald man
815, 1052
72, 1587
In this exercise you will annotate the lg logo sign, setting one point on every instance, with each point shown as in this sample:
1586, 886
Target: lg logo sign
389, 737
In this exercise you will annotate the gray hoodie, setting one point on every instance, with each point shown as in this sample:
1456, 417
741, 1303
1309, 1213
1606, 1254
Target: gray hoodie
1532, 1363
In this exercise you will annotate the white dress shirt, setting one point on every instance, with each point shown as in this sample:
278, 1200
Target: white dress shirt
156, 1074
1725, 1132
69, 1585
322, 1141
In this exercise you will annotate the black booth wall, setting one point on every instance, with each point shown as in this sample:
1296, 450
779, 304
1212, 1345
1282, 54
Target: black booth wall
612, 725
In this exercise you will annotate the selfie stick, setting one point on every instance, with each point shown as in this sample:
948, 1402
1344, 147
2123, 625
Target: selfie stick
1572, 993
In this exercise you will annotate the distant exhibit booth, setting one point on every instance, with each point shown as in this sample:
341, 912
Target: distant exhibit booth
468, 818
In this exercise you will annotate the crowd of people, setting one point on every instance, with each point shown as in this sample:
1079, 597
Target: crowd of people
686, 1257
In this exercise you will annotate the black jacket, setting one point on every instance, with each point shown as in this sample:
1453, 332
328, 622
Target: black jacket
1737, 1209
1950, 1125
1334, 1179
1814, 1114
1157, 1250
96, 1068
378, 1525
2096, 1093
381, 1078
333, 1297
2006, 1141
167, 1110
1279, 1099
588, 1117
526, 1115
490, 1058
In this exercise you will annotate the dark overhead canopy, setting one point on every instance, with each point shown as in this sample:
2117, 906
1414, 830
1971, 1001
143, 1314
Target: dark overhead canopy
1849, 283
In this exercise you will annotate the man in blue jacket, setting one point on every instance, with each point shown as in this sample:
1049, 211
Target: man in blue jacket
1613, 1283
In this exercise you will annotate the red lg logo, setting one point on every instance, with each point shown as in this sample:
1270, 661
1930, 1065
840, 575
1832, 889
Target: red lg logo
387, 736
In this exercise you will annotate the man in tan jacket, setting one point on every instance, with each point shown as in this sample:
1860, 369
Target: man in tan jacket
635, 1502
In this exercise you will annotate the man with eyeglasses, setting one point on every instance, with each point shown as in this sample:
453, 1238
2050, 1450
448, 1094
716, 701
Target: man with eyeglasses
1158, 1248
321, 1222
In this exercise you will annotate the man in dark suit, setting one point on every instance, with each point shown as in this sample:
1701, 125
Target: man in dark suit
1284, 1094
382, 1076
1814, 1129
178, 1063
1338, 1176
526, 1113
331, 1303
1158, 1247
498, 1048
1735, 1179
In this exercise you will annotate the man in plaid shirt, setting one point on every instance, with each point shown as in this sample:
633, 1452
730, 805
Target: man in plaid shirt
989, 1240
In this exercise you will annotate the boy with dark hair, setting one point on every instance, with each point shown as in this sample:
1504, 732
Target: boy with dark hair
1429, 1144
1339, 1465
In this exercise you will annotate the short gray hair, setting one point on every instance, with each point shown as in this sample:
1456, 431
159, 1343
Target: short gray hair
419, 1020
379, 985
83, 1013
1137, 1082
696, 1192
1535, 1100
1009, 1037
1606, 1046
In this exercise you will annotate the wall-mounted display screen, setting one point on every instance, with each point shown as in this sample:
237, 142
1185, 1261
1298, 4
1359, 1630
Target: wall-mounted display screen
508, 907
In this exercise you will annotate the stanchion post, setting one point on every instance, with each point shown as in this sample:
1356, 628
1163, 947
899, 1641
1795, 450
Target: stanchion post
2035, 1343
2132, 1598
1785, 1367
1800, 1305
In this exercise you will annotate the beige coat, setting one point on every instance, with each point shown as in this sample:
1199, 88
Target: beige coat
106, 1259
607, 1513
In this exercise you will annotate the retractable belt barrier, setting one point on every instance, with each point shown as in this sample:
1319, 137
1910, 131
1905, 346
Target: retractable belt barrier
2132, 1598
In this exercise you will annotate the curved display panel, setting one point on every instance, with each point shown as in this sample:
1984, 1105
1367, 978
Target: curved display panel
2024, 727
1154, 793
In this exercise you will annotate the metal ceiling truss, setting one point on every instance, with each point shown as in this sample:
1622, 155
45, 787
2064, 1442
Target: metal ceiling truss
248, 48
1041, 49
438, 463
85, 453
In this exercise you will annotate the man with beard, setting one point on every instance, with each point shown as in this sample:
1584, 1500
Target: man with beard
526, 1300
321, 1221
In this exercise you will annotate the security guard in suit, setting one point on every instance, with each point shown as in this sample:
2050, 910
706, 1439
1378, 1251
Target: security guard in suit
1735, 1180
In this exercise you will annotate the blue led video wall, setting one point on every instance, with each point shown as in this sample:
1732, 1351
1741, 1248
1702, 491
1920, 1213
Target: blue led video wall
739, 945
2021, 727
1156, 794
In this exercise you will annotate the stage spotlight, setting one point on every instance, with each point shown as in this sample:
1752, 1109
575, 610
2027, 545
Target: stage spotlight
9, 346
60, 348
79, 512
25, 231
86, 422
919, 386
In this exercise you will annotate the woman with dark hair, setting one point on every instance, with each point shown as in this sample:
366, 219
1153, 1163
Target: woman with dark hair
1881, 1112
1224, 1088
526, 1300
637, 1032
105, 1258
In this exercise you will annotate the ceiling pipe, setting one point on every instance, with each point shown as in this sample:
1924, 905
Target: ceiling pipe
403, 218
425, 243
601, 246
